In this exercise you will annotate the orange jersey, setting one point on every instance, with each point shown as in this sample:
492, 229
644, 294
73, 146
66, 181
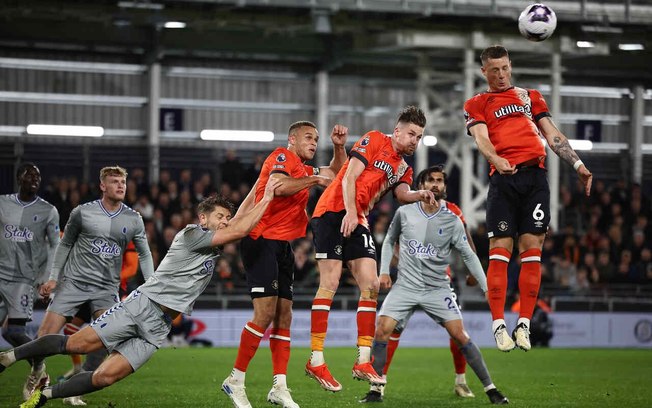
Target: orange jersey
285, 218
384, 169
129, 264
455, 210
511, 118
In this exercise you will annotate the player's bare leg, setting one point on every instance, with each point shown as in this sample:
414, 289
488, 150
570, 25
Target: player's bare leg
330, 271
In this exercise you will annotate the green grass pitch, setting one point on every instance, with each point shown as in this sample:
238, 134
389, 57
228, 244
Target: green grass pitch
192, 377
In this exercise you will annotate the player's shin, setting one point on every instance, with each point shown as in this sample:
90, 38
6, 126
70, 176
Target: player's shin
318, 326
45, 346
279, 343
473, 356
497, 281
249, 342
379, 353
78, 384
529, 282
392, 345
366, 320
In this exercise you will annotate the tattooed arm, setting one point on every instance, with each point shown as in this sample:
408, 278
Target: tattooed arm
560, 145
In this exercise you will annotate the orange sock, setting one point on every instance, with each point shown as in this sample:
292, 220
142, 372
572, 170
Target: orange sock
497, 281
366, 319
249, 342
392, 344
529, 281
279, 343
458, 358
319, 322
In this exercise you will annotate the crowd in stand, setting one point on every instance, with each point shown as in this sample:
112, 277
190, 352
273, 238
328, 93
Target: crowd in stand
604, 239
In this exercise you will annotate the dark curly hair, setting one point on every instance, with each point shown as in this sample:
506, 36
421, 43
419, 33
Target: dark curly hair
207, 205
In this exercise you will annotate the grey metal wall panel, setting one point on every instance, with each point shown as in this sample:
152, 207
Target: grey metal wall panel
22, 114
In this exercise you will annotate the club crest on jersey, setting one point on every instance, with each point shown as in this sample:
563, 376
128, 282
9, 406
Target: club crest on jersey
124, 230
364, 141
281, 158
35, 218
17, 234
418, 249
105, 249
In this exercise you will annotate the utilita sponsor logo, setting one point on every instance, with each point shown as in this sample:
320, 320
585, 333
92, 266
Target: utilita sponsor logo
105, 249
17, 234
509, 109
419, 250
387, 168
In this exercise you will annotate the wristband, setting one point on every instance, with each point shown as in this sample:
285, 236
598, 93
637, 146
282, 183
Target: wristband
577, 164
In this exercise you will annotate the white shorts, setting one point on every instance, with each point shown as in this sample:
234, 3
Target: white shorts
135, 328
17, 299
70, 295
438, 303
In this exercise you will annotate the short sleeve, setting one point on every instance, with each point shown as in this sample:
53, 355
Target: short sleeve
197, 238
539, 106
367, 146
277, 162
473, 114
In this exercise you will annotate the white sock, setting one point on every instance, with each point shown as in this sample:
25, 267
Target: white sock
524, 320
460, 378
47, 392
364, 354
316, 358
238, 376
7, 358
280, 381
497, 323
489, 387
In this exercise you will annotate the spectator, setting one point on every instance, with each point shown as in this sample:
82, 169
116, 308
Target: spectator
232, 170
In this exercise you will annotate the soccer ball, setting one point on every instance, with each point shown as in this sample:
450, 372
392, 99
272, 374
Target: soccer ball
537, 22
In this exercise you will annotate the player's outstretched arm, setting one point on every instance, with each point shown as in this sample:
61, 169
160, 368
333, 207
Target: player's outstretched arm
249, 201
243, 223
291, 185
559, 144
71, 232
404, 195
338, 137
350, 220
480, 133
469, 257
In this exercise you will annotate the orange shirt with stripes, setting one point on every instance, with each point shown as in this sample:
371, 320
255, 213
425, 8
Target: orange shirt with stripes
384, 170
511, 117
285, 218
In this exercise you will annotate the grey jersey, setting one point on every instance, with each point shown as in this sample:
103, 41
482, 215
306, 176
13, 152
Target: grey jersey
426, 241
26, 230
185, 271
93, 243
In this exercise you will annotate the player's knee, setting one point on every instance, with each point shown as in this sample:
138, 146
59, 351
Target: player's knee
13, 334
103, 378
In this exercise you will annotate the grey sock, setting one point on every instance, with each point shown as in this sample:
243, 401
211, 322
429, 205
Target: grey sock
379, 352
47, 345
79, 384
474, 359
94, 359
16, 335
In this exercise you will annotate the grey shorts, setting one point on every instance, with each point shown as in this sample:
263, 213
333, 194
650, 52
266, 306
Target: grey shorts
438, 303
17, 299
135, 328
71, 295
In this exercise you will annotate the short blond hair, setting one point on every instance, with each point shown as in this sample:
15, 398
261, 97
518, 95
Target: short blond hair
112, 171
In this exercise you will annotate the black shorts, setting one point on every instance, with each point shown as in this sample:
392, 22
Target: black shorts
269, 265
518, 203
331, 244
